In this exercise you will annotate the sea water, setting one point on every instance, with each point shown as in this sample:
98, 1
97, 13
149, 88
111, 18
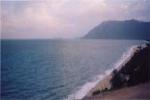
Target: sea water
56, 69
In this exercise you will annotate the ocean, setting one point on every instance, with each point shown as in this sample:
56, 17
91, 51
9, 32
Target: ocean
57, 69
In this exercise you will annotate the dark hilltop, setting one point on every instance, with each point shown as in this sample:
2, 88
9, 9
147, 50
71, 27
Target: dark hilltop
128, 29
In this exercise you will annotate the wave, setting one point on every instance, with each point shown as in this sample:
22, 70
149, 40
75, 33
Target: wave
126, 57
84, 89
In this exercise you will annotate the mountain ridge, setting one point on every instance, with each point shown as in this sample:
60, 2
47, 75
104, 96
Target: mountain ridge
128, 29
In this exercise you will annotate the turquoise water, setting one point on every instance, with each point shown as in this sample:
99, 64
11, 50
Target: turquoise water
55, 69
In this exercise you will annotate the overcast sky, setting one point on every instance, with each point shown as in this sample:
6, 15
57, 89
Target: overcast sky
65, 18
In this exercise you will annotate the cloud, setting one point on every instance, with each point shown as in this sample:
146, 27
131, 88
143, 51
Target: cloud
65, 18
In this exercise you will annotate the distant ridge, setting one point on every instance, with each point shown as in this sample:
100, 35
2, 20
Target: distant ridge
128, 29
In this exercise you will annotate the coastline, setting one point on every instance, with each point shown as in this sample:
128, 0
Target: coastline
140, 92
131, 75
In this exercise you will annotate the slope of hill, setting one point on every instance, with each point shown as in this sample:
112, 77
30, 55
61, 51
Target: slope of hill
129, 29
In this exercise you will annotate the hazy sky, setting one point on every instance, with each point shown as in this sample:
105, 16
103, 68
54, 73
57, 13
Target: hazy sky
65, 18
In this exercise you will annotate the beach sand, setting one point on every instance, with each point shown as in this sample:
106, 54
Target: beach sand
129, 81
138, 92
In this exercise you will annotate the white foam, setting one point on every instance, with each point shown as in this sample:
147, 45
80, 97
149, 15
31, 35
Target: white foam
126, 57
107, 72
89, 85
84, 89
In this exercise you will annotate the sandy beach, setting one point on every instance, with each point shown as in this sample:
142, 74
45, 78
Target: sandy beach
138, 92
129, 81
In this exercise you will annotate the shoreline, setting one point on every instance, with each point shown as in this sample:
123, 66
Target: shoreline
132, 72
139, 92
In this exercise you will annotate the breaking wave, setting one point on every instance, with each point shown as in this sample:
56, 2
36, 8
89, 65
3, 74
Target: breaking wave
117, 66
